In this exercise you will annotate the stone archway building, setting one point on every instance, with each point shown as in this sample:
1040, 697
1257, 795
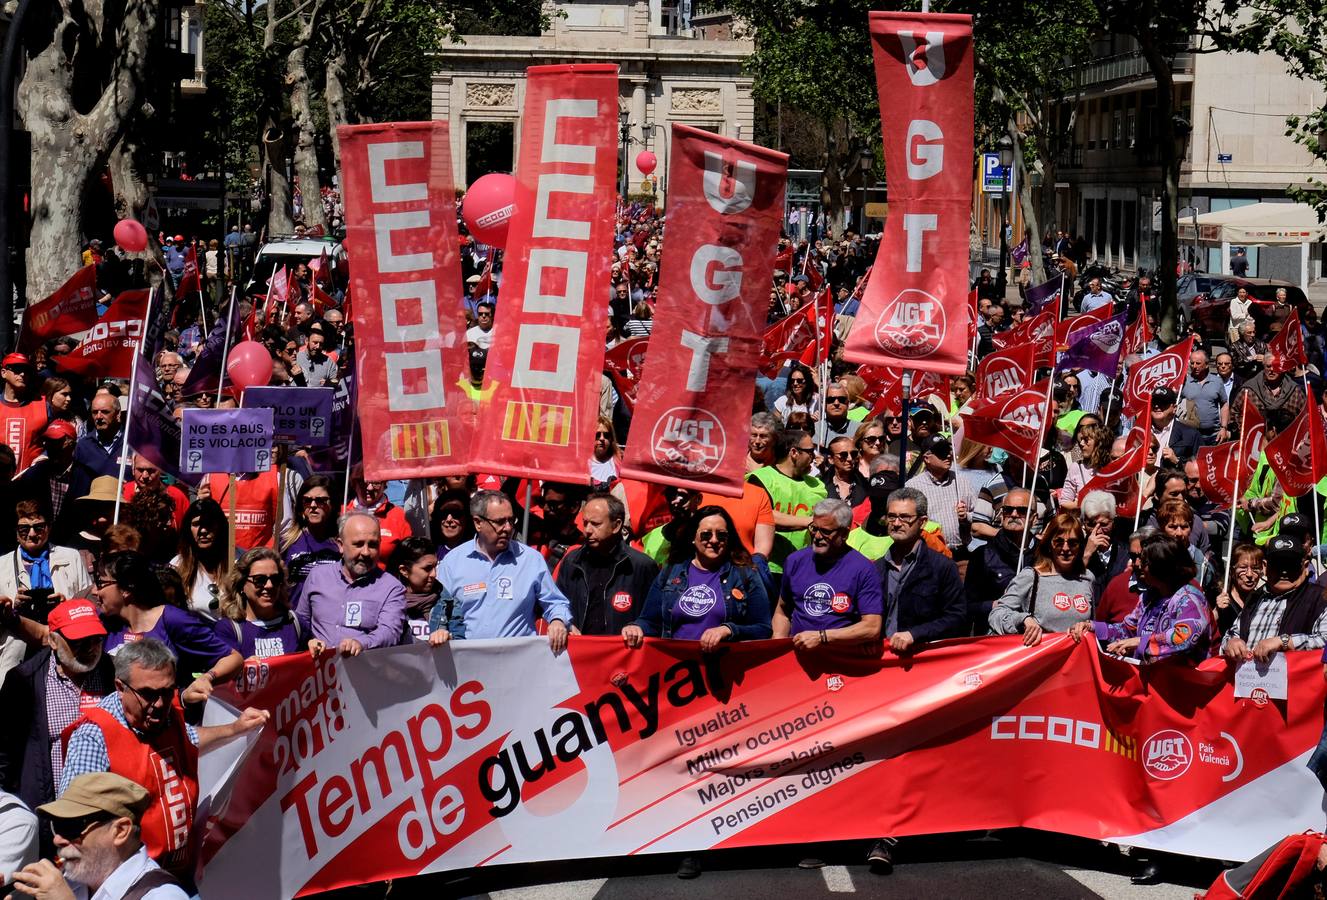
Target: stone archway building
675, 67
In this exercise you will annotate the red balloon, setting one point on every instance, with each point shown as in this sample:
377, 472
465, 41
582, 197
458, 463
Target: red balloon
249, 365
130, 235
646, 162
487, 207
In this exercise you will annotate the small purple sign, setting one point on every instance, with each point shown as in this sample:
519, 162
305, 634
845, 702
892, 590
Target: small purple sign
300, 415
226, 440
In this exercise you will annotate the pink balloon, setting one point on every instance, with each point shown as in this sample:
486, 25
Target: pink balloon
646, 162
487, 207
130, 235
249, 365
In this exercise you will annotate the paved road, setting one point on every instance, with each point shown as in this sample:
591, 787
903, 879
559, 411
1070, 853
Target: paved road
1013, 864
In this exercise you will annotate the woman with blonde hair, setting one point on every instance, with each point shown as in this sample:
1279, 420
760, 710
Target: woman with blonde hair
1055, 592
604, 463
256, 618
870, 443
1093, 446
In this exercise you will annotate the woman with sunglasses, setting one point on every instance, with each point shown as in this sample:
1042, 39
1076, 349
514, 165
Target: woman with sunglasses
709, 591
1052, 594
257, 620
845, 480
802, 395
1248, 570
604, 462
131, 598
311, 537
201, 560
451, 524
870, 443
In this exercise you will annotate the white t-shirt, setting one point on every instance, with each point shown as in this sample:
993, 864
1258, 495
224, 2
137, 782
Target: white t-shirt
479, 337
201, 597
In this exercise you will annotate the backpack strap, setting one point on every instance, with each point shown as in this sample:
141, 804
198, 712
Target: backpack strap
149, 881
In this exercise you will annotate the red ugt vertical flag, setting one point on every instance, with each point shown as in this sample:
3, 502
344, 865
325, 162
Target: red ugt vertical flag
693, 406
1286, 350
409, 326
914, 315
1219, 468
1298, 455
548, 351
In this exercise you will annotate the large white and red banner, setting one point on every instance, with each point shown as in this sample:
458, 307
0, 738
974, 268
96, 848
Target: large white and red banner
914, 312
693, 405
547, 357
413, 759
70, 310
410, 352
108, 347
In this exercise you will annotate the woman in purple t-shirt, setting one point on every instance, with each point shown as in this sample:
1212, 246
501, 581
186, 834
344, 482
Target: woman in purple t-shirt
311, 537
255, 607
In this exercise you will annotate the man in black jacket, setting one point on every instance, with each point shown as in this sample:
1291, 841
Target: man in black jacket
44, 696
1179, 442
995, 563
605, 580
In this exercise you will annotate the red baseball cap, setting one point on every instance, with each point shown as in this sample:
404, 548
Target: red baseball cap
60, 428
15, 359
75, 620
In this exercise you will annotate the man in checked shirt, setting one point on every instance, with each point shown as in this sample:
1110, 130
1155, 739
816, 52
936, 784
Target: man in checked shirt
1289, 613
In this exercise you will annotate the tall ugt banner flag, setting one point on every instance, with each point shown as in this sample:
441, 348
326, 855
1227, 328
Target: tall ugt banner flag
548, 353
409, 326
914, 316
725, 201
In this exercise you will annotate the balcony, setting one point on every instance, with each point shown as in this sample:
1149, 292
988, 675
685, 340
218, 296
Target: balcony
1122, 68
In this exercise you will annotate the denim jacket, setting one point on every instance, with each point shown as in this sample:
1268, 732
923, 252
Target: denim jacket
745, 603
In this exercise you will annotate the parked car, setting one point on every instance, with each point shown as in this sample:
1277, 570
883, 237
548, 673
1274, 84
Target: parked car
288, 251
1211, 310
1191, 284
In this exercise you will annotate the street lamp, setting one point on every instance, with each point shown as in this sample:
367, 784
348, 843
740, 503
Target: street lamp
868, 163
1006, 160
624, 131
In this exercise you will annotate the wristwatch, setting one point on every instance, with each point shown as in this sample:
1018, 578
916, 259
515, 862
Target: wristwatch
1285, 642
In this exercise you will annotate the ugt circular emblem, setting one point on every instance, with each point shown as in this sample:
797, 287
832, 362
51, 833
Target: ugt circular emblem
688, 441
912, 325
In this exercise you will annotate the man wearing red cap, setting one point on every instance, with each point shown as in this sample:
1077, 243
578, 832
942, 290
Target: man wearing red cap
45, 696
21, 418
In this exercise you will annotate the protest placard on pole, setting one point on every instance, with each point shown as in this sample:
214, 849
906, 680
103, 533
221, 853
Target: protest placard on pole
300, 415
226, 440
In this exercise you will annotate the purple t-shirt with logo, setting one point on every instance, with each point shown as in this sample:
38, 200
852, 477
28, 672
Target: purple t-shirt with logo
827, 594
700, 606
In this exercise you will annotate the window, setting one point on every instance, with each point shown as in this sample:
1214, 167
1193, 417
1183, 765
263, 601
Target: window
1130, 230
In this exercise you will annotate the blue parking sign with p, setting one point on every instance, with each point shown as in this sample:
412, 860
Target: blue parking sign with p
994, 177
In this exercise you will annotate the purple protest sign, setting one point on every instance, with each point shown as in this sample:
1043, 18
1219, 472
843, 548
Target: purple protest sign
226, 440
300, 415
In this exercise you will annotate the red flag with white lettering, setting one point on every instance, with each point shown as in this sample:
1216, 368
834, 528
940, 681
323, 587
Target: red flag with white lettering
278, 291
1163, 370
694, 400
1128, 464
1298, 455
1005, 372
821, 313
548, 350
71, 309
1015, 422
914, 312
410, 354
1285, 351
1218, 467
1039, 331
624, 363
1137, 336
108, 347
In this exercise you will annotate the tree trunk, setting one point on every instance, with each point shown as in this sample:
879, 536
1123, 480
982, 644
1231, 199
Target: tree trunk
279, 217
1167, 263
1031, 221
306, 152
68, 147
334, 93
126, 167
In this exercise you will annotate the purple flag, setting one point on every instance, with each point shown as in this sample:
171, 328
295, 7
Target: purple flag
1096, 347
340, 455
1038, 297
153, 431
210, 362
1020, 252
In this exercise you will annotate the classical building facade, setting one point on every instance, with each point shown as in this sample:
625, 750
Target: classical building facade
672, 70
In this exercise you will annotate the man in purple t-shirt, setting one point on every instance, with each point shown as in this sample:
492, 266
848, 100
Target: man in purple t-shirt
830, 592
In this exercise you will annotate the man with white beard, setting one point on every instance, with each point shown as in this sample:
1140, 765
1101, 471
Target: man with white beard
99, 846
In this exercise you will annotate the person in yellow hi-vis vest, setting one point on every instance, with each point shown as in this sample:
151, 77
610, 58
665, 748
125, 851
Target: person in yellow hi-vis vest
1263, 504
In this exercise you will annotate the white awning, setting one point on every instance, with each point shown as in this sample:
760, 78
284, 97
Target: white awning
1257, 224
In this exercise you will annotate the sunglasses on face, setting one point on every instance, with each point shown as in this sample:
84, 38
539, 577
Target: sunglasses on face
1015, 512
151, 696
602, 434
872, 439
797, 381
829, 400
317, 501
845, 455
74, 830
262, 581
37, 528
717, 537
1062, 543
817, 531
457, 514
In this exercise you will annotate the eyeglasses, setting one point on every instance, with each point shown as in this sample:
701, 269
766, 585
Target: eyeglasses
602, 434
1060, 543
74, 830
457, 514
262, 581
36, 528
872, 439
845, 455
150, 696
817, 531
509, 521
797, 381
316, 501
103, 583
807, 450
1015, 512
900, 517
718, 537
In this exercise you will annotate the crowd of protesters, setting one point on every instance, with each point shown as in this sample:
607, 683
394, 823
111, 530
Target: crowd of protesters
122, 604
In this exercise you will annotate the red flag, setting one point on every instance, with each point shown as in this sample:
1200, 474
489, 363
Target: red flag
108, 348
1298, 455
820, 313
914, 310
1137, 442
973, 315
278, 290
1039, 331
410, 353
485, 283
694, 406
1015, 422
1163, 370
548, 353
1005, 372
71, 309
1285, 351
1137, 336
191, 281
1218, 467
1064, 331
320, 300
784, 261
623, 363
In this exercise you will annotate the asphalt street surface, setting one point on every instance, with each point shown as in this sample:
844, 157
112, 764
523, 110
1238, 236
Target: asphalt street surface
1004, 865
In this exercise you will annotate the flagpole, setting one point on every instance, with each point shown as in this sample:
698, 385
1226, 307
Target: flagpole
1036, 465
225, 345
350, 453
1317, 501
1138, 507
129, 410
202, 311
1234, 501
